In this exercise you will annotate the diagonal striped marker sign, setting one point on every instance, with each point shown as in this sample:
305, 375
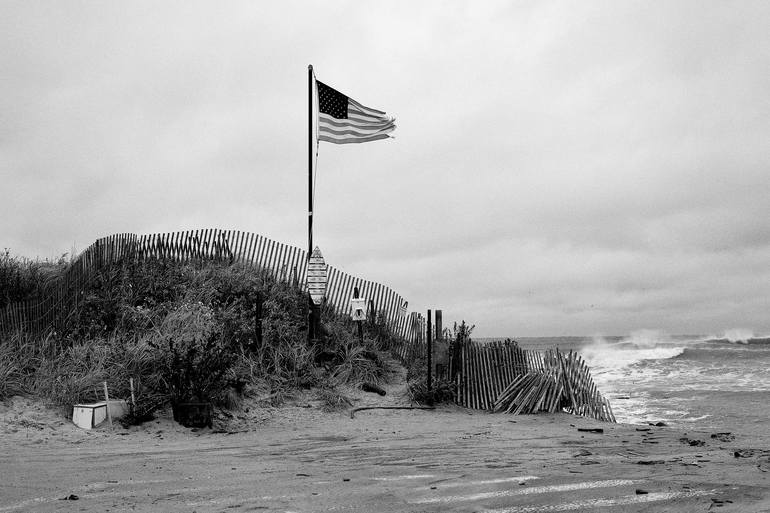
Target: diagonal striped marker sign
317, 276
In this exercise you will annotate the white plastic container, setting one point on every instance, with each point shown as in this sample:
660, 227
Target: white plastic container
88, 416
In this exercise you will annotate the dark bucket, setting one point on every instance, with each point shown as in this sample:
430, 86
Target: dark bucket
193, 414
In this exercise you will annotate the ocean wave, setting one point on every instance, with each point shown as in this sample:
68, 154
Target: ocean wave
738, 335
742, 356
646, 339
682, 380
637, 347
725, 344
648, 346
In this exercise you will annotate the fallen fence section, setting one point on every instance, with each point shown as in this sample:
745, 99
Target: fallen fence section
501, 376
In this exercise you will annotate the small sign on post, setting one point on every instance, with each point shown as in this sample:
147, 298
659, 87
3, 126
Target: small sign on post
358, 313
403, 309
358, 309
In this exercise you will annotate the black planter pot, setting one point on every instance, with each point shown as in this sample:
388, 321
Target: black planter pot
193, 414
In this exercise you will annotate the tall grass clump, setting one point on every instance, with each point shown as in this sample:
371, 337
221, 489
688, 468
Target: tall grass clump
78, 371
443, 388
20, 358
351, 360
11, 376
22, 278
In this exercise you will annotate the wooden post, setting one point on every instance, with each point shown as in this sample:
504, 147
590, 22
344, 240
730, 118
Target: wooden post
107, 400
463, 374
133, 399
430, 352
439, 326
370, 309
313, 319
456, 355
360, 323
316, 311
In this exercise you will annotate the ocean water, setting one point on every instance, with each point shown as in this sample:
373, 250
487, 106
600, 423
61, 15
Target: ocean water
716, 382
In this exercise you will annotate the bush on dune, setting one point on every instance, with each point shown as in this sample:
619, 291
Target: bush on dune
443, 389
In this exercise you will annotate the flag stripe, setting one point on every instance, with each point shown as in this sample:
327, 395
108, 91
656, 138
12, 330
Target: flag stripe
349, 140
363, 108
341, 132
363, 127
357, 114
331, 123
355, 130
353, 120
339, 137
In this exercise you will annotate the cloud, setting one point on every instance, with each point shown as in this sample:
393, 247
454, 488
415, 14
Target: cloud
558, 168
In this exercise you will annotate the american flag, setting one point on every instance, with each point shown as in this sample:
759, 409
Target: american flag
342, 120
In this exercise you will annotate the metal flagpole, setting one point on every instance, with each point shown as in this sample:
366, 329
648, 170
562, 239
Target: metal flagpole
311, 331
309, 160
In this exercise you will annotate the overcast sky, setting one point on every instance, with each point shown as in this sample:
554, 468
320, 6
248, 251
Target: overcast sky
559, 167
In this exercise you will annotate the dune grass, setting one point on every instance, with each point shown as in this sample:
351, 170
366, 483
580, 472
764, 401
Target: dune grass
188, 332
23, 278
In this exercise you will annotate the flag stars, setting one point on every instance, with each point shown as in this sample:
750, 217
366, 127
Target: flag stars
332, 102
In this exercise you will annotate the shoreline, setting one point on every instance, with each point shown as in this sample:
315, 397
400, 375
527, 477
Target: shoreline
299, 458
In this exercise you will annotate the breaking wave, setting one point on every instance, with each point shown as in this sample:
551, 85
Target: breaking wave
738, 336
637, 347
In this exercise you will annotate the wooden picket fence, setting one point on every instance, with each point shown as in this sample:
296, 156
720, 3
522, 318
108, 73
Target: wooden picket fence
484, 373
481, 372
412, 344
62, 295
285, 262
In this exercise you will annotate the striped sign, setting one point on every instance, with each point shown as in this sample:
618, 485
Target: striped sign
317, 276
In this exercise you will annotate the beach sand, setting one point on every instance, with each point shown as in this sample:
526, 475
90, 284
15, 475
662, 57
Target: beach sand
298, 458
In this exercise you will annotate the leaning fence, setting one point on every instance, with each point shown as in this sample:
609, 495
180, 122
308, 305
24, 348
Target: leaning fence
489, 375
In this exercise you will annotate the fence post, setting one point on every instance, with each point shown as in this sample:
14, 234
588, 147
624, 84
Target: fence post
430, 352
360, 323
441, 369
372, 319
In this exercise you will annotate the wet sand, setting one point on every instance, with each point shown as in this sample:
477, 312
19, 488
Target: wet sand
295, 458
